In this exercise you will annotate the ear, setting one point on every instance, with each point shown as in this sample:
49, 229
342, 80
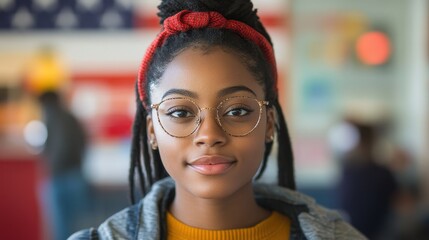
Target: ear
150, 130
271, 125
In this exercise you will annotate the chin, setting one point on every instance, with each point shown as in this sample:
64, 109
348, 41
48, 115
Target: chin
217, 188
210, 193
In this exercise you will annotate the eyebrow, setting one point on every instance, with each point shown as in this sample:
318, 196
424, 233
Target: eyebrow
234, 89
221, 93
179, 91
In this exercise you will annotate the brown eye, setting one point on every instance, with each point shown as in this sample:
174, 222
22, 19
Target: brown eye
238, 112
180, 113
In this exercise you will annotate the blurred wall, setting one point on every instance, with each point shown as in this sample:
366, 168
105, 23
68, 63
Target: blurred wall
330, 81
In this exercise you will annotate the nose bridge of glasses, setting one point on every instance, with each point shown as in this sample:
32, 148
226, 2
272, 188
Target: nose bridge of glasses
209, 109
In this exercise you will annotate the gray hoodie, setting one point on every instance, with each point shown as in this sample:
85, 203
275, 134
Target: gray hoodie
146, 219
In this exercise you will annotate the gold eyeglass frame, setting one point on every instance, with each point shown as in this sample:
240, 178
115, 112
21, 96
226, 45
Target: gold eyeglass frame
261, 103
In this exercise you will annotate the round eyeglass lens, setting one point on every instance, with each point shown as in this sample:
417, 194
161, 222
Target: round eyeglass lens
239, 116
179, 117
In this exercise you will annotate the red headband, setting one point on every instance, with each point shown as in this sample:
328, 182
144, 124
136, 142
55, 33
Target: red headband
186, 20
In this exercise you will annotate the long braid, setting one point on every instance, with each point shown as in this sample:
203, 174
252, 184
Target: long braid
267, 153
146, 175
148, 178
286, 174
135, 150
160, 171
131, 173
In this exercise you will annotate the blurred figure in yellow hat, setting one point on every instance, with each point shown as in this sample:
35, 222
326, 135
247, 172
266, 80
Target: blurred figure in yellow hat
65, 192
46, 72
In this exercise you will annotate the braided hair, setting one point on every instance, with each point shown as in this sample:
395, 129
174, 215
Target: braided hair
146, 162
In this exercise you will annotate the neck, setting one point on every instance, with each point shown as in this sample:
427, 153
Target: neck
237, 211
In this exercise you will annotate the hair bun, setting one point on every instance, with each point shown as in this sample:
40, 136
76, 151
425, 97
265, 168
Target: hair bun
240, 10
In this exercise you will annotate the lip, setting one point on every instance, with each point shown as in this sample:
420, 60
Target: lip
212, 164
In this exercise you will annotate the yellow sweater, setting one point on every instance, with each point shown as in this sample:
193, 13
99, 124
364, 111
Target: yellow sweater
276, 226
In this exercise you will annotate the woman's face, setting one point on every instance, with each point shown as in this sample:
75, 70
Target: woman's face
209, 163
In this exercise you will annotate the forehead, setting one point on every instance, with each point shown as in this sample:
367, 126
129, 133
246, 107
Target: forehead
206, 73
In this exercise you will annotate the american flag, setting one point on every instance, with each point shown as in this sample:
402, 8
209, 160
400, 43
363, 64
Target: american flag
66, 14
21, 15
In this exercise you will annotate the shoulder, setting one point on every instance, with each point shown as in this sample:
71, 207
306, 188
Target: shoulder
118, 226
141, 219
315, 221
85, 234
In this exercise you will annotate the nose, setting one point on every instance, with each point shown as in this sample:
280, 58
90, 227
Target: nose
209, 133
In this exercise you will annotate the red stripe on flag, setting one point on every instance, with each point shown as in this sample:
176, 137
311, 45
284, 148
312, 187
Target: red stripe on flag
269, 20
109, 79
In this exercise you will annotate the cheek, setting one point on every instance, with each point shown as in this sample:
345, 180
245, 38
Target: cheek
162, 137
255, 150
251, 149
171, 149
171, 156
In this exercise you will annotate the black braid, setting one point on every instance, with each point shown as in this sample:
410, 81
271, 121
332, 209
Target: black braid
267, 153
159, 168
132, 170
147, 174
135, 149
286, 176
146, 179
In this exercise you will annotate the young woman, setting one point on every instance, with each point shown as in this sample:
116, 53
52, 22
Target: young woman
207, 115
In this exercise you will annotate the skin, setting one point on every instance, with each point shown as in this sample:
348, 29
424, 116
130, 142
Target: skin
226, 200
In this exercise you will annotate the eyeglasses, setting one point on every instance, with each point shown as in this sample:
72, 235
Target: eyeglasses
238, 116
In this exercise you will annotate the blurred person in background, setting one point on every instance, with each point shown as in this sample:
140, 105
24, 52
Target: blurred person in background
410, 219
65, 193
366, 188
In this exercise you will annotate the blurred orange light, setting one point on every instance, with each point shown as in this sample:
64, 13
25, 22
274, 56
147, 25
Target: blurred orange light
373, 48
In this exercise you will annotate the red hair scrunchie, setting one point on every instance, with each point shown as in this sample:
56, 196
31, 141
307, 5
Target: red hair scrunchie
186, 20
